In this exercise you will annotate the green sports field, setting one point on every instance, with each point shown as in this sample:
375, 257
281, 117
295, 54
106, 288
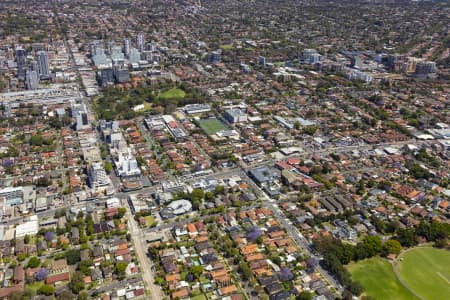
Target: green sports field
426, 271
378, 279
212, 126
174, 93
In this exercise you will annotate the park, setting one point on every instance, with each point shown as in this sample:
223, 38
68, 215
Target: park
417, 273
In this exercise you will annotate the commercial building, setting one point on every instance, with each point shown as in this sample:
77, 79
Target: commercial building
42, 59
307, 54
140, 42
284, 122
134, 56
245, 69
196, 108
126, 165
126, 46
106, 77
12, 195
97, 175
100, 58
42, 204
34, 66
21, 59
82, 121
425, 68
214, 57
262, 61
176, 208
264, 174
235, 115
121, 75
315, 58
358, 75
32, 80
28, 228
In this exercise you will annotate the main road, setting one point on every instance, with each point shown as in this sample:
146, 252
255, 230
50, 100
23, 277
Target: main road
140, 247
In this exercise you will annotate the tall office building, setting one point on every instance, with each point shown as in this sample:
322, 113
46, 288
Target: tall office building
262, 61
134, 56
21, 58
214, 57
315, 58
306, 54
97, 175
106, 76
111, 45
93, 48
356, 62
126, 46
32, 80
44, 71
425, 68
34, 66
121, 75
140, 42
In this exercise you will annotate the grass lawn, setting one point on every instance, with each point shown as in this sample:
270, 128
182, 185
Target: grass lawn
174, 93
377, 277
147, 107
199, 297
426, 271
211, 126
226, 47
203, 279
35, 285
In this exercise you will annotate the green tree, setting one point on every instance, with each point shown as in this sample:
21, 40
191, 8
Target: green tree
36, 140
196, 271
83, 296
76, 284
33, 262
16, 295
276, 259
21, 256
219, 189
108, 167
373, 245
60, 213
73, 256
121, 212
305, 295
47, 290
84, 266
209, 196
120, 268
392, 247
406, 237
65, 295
197, 194
246, 271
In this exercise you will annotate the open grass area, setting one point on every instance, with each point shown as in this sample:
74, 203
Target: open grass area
147, 107
35, 285
377, 277
199, 297
426, 271
226, 47
174, 93
212, 126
